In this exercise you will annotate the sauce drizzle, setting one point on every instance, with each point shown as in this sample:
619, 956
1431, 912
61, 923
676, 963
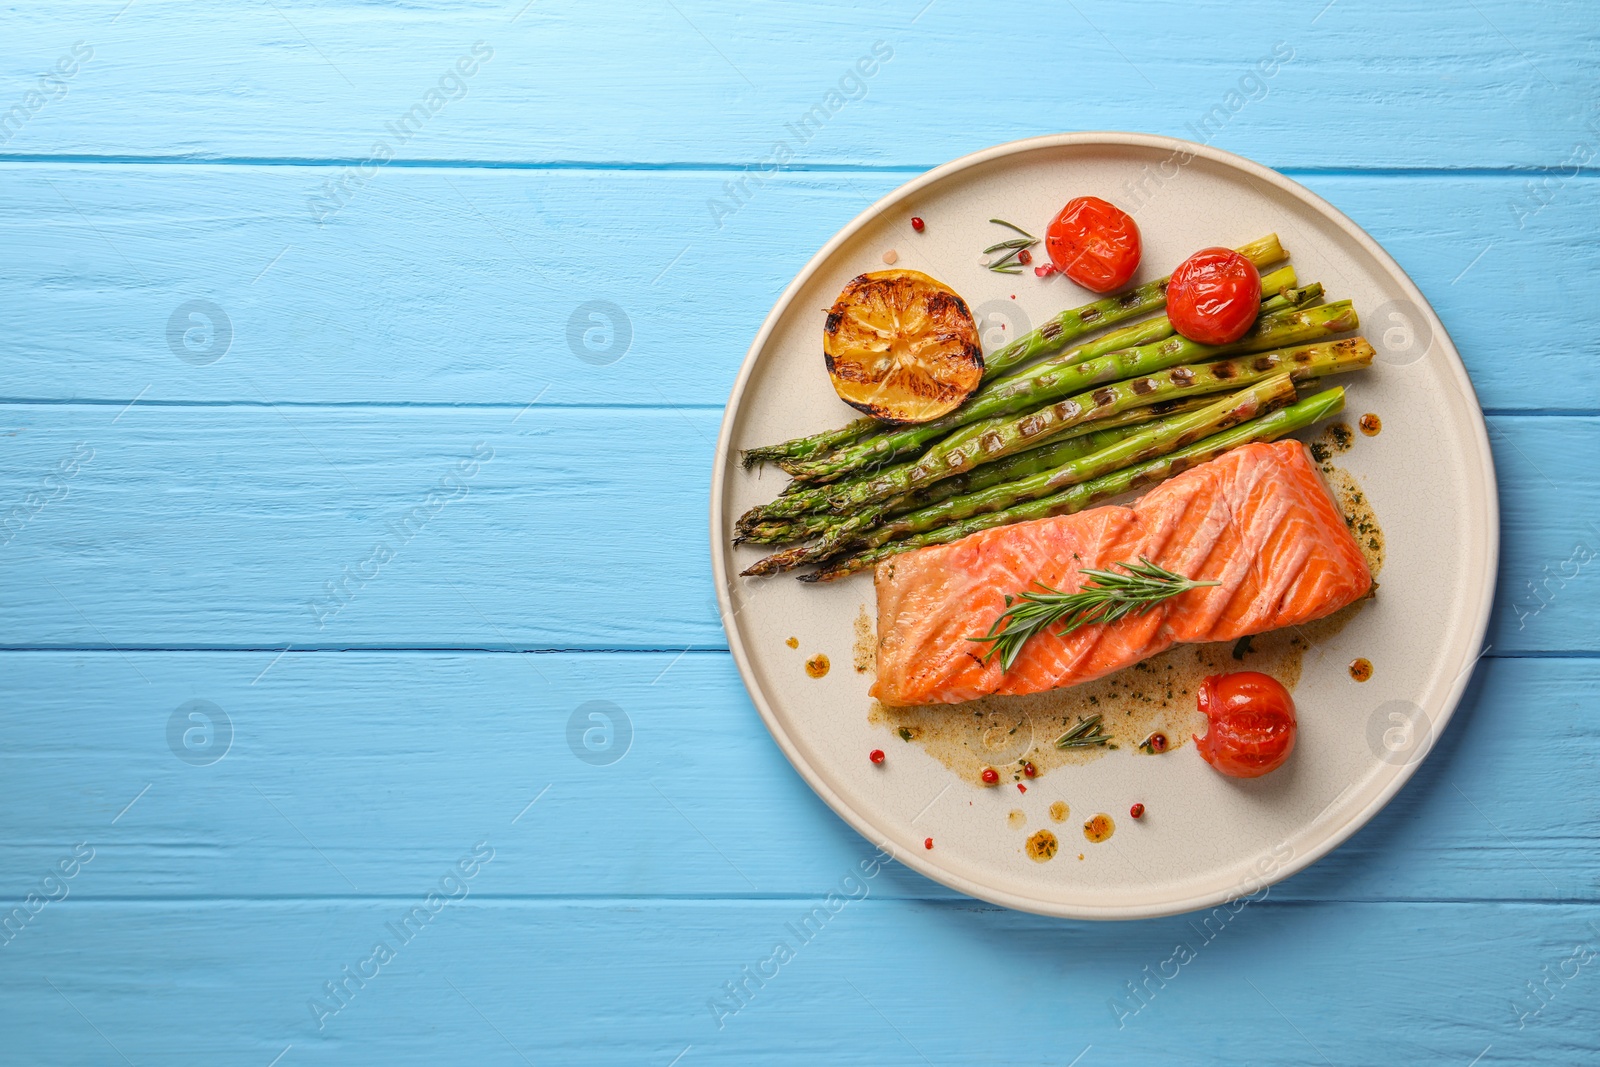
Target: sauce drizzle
864, 651
1042, 846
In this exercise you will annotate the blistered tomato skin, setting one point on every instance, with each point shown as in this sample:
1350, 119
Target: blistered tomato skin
1094, 243
1214, 296
1252, 724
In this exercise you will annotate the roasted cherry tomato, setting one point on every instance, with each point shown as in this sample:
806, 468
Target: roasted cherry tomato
1252, 724
1214, 296
1094, 243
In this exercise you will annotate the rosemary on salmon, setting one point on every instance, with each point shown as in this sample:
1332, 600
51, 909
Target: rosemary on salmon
1134, 590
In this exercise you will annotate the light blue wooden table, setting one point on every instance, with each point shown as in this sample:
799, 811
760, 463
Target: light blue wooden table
361, 367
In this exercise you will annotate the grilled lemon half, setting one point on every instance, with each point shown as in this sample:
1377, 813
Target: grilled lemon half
902, 347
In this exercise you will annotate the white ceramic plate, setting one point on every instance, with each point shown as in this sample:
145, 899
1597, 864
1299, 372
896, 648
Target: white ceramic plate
1206, 839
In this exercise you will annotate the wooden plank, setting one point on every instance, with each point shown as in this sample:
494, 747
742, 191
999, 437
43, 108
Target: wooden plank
1364, 83
458, 287
873, 981
217, 527
329, 523
357, 774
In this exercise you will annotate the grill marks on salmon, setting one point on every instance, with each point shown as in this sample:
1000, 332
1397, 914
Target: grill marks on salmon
1258, 520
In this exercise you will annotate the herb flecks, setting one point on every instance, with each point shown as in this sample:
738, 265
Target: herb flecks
1114, 596
1014, 248
1087, 734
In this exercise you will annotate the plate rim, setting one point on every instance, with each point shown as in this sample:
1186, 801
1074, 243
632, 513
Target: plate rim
859, 821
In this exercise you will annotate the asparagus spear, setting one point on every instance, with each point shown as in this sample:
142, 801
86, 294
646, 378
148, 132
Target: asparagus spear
848, 529
784, 531
1060, 330
1286, 327
815, 445
1078, 441
967, 450
1055, 377
828, 524
1054, 380
992, 439
1078, 497
1145, 442
797, 500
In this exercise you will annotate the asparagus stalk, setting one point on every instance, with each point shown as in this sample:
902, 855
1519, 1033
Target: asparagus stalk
805, 499
785, 531
1142, 443
1078, 497
1078, 441
1284, 327
828, 524
1065, 373
815, 445
1060, 330
993, 439
1053, 380
968, 450
848, 529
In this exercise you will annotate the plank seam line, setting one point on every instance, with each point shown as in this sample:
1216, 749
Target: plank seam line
1512, 170
493, 405
598, 165
560, 899
426, 405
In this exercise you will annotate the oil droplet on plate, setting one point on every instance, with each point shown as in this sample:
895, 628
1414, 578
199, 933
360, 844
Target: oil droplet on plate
1371, 425
793, 642
1016, 819
817, 665
1361, 669
1059, 811
1042, 846
1099, 828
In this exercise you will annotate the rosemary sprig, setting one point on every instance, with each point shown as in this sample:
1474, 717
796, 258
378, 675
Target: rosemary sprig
1087, 734
1114, 596
1014, 226
1008, 263
1015, 242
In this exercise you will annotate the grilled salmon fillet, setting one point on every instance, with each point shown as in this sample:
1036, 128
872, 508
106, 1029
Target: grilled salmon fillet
1258, 520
